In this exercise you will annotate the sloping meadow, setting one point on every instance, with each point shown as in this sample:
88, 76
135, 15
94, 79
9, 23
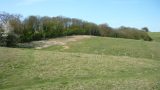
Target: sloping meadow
27, 69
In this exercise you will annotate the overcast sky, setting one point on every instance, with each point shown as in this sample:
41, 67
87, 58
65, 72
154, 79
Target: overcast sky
133, 13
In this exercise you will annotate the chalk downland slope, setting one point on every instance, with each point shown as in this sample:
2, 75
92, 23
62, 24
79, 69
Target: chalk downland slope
47, 70
111, 46
155, 36
95, 63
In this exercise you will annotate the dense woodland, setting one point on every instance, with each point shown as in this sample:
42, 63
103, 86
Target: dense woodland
14, 29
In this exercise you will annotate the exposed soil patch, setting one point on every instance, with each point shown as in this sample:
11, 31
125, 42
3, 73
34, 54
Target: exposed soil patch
57, 41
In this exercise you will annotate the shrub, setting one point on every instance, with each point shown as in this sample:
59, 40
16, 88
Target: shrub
8, 39
2, 38
37, 36
133, 33
11, 40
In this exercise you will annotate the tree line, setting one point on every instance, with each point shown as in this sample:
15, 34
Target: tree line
14, 29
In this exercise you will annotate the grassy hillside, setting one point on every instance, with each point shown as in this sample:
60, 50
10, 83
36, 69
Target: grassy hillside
155, 36
33, 69
96, 63
113, 46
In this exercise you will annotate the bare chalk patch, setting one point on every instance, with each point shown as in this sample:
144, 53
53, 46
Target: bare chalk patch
58, 41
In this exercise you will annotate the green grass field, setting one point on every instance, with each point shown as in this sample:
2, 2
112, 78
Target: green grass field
155, 36
113, 46
97, 63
